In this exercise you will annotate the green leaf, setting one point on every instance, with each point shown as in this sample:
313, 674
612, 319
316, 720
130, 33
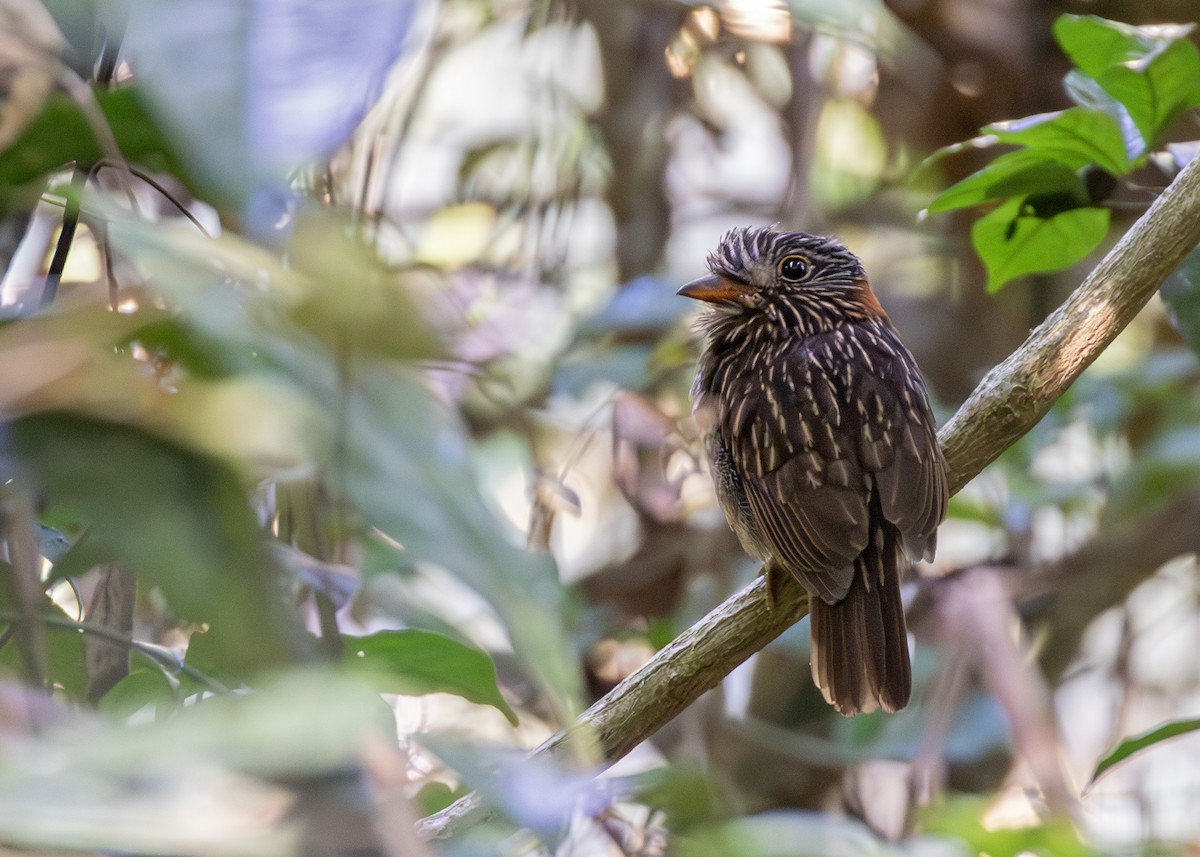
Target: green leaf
1158, 91
189, 349
399, 456
1086, 92
791, 832
64, 646
1012, 174
77, 560
353, 301
406, 470
143, 687
417, 662
217, 777
435, 796
332, 287
179, 519
1095, 44
1154, 71
60, 135
64, 659
1074, 137
685, 792
1013, 242
1137, 743
961, 817
296, 723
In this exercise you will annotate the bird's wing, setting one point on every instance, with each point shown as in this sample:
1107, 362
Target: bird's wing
798, 458
831, 420
898, 440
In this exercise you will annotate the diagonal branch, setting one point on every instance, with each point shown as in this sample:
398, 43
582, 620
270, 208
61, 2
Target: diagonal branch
1007, 403
1016, 394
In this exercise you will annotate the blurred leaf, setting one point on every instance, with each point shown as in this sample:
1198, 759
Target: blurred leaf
1074, 137
270, 84
406, 470
1137, 743
1013, 242
239, 306
644, 306
1181, 294
63, 646
785, 833
78, 559
393, 451
207, 670
1168, 461
458, 235
960, 818
974, 508
1153, 70
52, 543
180, 520
850, 156
143, 687
1012, 174
191, 350
30, 44
418, 662
60, 135
661, 632
624, 366
202, 781
436, 796
355, 305
685, 792
297, 723
537, 792
767, 68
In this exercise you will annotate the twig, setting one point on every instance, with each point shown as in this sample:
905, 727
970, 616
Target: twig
1005, 405
169, 663
66, 236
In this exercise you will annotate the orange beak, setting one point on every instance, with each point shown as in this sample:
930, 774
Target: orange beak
715, 288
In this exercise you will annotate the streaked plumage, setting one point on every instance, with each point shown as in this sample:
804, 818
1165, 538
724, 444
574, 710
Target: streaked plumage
823, 447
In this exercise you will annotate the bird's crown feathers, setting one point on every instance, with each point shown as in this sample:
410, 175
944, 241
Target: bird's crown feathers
750, 255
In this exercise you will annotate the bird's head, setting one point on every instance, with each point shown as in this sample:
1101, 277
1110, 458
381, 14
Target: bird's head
793, 279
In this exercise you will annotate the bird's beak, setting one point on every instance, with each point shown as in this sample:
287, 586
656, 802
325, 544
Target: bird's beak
715, 288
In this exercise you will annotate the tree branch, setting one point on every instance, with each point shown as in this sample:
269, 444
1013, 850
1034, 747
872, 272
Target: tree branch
1006, 404
1016, 394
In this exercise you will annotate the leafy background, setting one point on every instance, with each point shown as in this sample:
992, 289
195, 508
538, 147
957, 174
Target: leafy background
346, 445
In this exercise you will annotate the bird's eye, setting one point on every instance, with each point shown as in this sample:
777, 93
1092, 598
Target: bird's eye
793, 268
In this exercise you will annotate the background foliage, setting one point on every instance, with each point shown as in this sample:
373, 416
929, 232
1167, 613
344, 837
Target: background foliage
346, 452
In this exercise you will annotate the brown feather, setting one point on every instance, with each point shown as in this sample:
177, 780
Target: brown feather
823, 447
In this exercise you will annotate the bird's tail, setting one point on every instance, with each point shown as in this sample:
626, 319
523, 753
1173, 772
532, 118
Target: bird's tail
860, 644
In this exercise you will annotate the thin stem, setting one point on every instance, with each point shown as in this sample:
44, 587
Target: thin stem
66, 236
153, 653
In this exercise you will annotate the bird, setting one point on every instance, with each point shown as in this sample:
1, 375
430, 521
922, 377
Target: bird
822, 447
